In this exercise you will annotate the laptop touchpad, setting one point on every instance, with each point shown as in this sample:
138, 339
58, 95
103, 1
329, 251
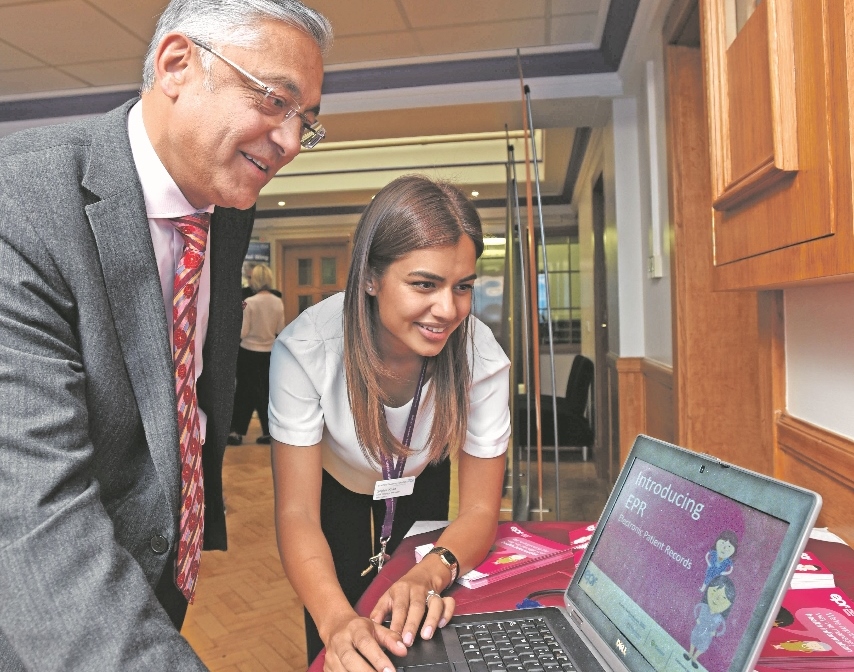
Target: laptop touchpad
426, 655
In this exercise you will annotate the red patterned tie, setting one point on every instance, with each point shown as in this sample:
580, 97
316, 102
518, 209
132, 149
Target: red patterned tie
194, 229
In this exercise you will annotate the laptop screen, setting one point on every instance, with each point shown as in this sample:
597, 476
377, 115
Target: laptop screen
681, 577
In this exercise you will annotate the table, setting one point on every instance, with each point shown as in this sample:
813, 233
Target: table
495, 597
507, 593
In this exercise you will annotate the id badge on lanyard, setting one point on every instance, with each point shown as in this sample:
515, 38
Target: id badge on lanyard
394, 483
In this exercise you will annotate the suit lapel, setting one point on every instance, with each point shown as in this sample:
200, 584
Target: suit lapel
126, 251
227, 244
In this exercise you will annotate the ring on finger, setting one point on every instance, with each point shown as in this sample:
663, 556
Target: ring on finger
430, 593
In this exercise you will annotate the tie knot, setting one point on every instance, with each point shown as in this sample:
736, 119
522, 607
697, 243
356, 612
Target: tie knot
194, 228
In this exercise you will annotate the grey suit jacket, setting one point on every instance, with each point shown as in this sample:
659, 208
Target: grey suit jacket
89, 459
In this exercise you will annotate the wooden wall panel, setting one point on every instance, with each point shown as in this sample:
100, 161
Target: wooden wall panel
771, 381
822, 461
658, 401
751, 142
615, 461
646, 401
631, 396
729, 357
804, 223
718, 358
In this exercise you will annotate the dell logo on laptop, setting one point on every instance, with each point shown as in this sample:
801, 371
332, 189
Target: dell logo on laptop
621, 647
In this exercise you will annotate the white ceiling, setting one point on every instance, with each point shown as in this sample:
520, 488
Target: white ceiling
58, 47
49, 45
419, 28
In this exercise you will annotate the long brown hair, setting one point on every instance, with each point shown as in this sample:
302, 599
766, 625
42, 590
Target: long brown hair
411, 213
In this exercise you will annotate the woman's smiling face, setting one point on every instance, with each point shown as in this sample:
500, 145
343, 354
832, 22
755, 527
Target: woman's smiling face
422, 298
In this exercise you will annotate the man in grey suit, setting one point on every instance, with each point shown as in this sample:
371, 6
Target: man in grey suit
91, 471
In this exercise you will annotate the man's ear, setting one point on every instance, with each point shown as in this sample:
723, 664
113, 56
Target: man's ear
175, 63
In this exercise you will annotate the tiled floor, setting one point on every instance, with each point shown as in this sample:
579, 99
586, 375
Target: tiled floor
246, 617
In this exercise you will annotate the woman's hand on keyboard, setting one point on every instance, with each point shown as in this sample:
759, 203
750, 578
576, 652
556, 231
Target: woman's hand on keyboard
412, 599
357, 645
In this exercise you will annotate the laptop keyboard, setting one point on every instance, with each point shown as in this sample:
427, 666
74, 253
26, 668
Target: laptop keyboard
518, 645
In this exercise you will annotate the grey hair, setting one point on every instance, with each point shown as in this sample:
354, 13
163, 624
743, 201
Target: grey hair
233, 21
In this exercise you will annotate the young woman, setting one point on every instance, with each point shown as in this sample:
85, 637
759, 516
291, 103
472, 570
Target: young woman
346, 379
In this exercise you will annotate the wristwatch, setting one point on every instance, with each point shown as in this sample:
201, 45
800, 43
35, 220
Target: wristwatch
448, 559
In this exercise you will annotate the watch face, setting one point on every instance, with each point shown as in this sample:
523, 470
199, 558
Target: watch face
446, 554
448, 558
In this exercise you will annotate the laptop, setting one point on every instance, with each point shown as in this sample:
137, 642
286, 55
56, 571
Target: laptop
685, 573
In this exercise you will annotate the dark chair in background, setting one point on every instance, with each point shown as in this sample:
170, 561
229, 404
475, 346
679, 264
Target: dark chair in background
573, 412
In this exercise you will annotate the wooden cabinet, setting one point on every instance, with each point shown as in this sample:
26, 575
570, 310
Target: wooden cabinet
778, 102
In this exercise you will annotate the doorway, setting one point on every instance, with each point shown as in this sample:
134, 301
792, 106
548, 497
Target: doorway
607, 466
311, 273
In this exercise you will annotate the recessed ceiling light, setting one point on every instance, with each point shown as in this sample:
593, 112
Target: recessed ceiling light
281, 202
475, 194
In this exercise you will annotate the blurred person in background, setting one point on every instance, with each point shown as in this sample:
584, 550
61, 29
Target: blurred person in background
263, 319
247, 276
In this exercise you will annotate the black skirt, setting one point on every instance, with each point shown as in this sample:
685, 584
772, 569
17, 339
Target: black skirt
345, 518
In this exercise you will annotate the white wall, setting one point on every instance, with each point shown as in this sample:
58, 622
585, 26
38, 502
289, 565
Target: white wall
636, 196
820, 355
658, 328
641, 180
629, 230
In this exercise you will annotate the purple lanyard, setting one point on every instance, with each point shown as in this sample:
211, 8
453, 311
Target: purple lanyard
392, 470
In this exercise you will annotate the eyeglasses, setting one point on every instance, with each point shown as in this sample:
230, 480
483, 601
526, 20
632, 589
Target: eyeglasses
276, 104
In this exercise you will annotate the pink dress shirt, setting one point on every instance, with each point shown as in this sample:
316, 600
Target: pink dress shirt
163, 200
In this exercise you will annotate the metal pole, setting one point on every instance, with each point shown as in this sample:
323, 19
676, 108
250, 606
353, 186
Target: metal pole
535, 325
511, 343
524, 313
548, 299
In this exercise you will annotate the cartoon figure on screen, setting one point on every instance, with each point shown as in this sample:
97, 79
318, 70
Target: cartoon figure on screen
804, 647
719, 559
711, 616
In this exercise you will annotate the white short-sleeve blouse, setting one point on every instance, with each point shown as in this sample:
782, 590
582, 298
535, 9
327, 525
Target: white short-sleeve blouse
308, 398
